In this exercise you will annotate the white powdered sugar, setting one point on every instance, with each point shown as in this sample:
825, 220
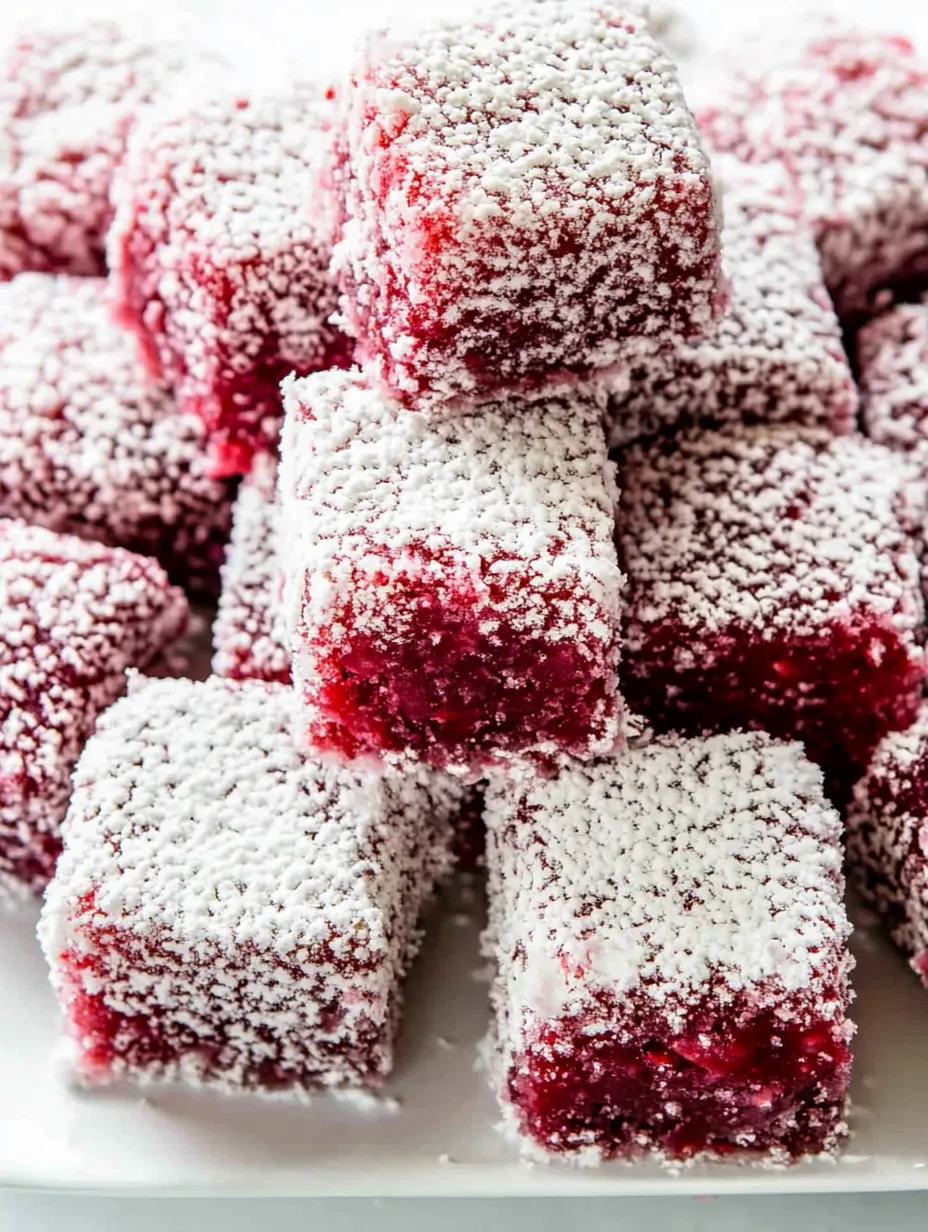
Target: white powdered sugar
776, 354
892, 361
525, 194
249, 635
89, 444
73, 617
258, 909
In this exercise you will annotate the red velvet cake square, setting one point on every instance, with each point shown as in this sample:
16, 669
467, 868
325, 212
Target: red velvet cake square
68, 99
228, 912
249, 635
89, 445
847, 112
887, 839
452, 593
526, 201
772, 584
73, 617
670, 940
776, 355
892, 363
219, 255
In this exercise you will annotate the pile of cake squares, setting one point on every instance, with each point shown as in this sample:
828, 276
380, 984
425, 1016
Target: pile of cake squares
559, 459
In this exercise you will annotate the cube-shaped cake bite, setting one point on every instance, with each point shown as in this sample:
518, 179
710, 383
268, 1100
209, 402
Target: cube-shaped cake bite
772, 584
670, 942
228, 912
892, 363
847, 111
219, 255
776, 355
89, 445
249, 635
887, 839
73, 617
526, 201
451, 589
69, 97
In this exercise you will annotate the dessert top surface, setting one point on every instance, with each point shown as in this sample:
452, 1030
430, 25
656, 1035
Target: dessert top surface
770, 527
896, 781
683, 861
194, 808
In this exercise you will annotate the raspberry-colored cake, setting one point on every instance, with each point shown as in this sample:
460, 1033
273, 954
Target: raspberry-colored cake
887, 839
219, 255
847, 112
772, 584
892, 363
89, 445
249, 634
670, 942
451, 589
73, 617
777, 354
526, 201
228, 912
68, 99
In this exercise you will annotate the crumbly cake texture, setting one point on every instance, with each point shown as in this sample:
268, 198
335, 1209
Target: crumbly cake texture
451, 589
776, 355
219, 254
887, 839
228, 912
74, 617
892, 364
68, 99
249, 634
847, 111
772, 584
526, 201
89, 445
670, 939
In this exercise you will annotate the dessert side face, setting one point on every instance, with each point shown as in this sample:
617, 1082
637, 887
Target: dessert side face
90, 445
846, 111
892, 361
74, 617
452, 592
887, 839
68, 99
776, 354
526, 201
772, 584
669, 935
227, 911
219, 254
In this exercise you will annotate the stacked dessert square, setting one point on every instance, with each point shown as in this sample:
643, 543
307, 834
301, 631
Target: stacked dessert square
547, 511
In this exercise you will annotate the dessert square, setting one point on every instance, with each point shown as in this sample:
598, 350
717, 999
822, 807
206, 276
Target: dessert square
892, 366
669, 934
776, 355
219, 255
89, 445
451, 592
887, 839
847, 111
526, 201
68, 98
772, 584
73, 617
228, 912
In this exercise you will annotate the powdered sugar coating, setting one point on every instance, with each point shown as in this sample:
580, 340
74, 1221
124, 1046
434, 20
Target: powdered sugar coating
526, 200
776, 354
68, 99
249, 635
499, 522
772, 581
219, 254
687, 877
89, 445
254, 909
892, 363
73, 617
847, 112
887, 838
